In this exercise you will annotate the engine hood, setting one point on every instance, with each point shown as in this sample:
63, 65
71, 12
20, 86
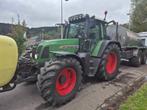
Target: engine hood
68, 45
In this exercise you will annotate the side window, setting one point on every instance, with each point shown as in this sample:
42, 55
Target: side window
103, 32
94, 32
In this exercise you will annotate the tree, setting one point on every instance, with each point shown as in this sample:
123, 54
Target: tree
139, 15
17, 32
24, 23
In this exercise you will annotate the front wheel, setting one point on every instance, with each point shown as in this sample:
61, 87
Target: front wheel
108, 68
60, 80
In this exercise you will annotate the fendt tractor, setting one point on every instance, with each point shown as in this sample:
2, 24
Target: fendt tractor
90, 47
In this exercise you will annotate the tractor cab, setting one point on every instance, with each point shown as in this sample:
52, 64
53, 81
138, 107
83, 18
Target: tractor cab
81, 34
87, 29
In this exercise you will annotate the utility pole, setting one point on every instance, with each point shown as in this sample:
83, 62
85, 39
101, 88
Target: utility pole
129, 14
62, 18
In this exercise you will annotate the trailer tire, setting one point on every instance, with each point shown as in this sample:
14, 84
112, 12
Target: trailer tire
143, 58
60, 80
110, 63
135, 61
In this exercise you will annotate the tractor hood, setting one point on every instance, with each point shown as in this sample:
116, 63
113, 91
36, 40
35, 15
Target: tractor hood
60, 45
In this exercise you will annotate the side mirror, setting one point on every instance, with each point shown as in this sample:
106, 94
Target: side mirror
106, 12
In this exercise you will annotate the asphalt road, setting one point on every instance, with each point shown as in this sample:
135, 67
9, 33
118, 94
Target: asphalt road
26, 96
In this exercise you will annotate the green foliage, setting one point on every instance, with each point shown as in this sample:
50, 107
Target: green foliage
139, 15
138, 101
17, 33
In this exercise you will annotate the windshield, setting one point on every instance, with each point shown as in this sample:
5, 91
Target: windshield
76, 29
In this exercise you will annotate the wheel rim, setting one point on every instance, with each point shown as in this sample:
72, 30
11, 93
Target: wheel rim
66, 81
111, 64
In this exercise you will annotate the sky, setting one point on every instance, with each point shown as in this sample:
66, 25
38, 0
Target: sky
39, 13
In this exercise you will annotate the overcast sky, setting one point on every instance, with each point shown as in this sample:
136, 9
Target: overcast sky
47, 12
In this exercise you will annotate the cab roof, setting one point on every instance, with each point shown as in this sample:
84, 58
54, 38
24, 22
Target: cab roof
80, 17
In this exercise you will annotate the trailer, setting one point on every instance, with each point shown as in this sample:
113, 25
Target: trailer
133, 49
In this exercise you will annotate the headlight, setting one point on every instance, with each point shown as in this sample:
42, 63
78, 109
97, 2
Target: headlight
36, 56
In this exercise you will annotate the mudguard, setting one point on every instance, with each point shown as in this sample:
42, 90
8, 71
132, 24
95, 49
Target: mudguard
104, 45
8, 59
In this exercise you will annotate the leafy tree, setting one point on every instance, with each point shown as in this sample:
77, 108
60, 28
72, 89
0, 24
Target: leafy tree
17, 32
139, 15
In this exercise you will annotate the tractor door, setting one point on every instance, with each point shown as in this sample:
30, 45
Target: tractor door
94, 35
91, 41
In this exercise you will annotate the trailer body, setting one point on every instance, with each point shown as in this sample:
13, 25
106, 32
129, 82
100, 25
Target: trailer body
130, 42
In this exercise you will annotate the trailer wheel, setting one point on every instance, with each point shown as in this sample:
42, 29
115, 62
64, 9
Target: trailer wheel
60, 80
110, 63
143, 58
136, 60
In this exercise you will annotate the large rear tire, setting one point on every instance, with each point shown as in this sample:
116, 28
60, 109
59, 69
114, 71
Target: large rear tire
109, 66
143, 58
60, 80
135, 61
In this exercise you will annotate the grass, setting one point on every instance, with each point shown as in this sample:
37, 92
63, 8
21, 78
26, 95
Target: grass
138, 101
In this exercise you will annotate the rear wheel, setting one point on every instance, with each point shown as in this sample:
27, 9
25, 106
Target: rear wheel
143, 58
136, 60
109, 65
60, 80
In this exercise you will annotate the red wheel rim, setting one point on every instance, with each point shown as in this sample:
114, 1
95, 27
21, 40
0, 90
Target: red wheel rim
111, 64
66, 81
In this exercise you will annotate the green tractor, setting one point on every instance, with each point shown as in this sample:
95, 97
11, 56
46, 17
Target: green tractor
86, 49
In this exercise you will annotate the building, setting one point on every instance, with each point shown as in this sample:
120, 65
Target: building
143, 37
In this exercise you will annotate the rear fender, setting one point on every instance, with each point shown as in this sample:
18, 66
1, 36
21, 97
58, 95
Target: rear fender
105, 44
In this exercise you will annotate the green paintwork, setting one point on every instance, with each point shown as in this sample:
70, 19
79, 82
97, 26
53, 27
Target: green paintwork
71, 45
96, 49
58, 46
